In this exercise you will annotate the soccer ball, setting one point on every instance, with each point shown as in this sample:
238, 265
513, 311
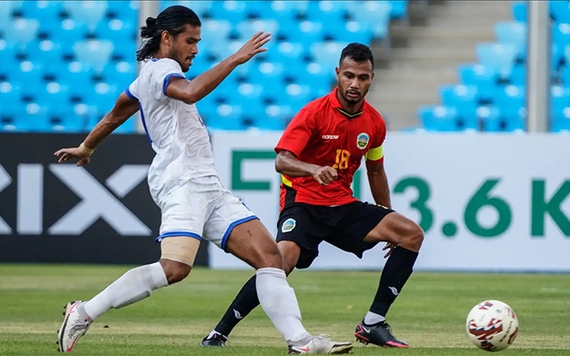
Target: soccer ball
492, 325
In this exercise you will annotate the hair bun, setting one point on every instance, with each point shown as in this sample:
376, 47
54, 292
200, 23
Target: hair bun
148, 30
150, 21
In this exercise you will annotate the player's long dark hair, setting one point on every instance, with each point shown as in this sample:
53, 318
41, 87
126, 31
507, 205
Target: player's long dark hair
171, 19
358, 52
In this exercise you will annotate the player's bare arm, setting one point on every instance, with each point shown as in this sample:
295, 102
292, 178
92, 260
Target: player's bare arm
193, 91
378, 183
286, 163
124, 108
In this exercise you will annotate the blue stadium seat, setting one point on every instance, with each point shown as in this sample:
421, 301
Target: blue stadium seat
513, 33
327, 53
226, 117
348, 31
75, 76
120, 74
8, 57
561, 121
267, 73
314, 74
519, 9
246, 29
498, 57
233, 11
21, 31
561, 34
7, 9
510, 99
438, 118
88, 12
93, 53
44, 52
304, 32
289, 9
518, 75
66, 32
463, 98
375, 13
52, 96
118, 31
399, 9
127, 11
102, 97
560, 11
27, 74
41, 10
490, 116
332, 11
560, 99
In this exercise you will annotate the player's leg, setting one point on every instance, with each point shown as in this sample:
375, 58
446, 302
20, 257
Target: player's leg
377, 224
247, 300
245, 237
180, 239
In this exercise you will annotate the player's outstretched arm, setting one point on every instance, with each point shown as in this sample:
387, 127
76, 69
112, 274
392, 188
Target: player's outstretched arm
125, 107
286, 163
193, 91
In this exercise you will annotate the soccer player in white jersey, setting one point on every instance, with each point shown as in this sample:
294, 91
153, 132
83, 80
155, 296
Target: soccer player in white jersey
186, 187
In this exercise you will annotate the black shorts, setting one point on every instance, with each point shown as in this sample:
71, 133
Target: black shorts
343, 226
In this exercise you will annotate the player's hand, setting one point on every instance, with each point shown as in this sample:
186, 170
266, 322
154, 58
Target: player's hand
65, 154
325, 175
390, 247
252, 47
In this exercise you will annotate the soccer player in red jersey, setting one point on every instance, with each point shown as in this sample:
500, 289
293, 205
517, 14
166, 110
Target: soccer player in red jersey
318, 154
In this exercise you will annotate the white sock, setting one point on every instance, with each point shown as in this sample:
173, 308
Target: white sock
136, 284
373, 318
279, 302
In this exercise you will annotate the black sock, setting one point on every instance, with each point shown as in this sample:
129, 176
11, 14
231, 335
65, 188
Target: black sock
243, 304
396, 272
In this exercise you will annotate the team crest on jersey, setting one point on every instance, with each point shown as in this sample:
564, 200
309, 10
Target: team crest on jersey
362, 140
288, 225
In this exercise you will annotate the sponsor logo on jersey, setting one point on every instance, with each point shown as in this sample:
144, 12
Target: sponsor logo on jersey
288, 225
362, 140
330, 137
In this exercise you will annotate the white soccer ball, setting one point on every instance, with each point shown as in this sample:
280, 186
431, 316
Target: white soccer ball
492, 325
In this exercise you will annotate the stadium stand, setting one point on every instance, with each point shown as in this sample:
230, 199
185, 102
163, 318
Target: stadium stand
491, 95
64, 72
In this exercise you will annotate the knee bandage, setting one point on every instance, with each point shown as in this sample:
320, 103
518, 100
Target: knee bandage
181, 249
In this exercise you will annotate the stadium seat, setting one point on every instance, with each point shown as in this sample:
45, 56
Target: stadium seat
127, 11
510, 99
41, 10
518, 75
327, 53
226, 117
438, 118
513, 33
231, 10
399, 9
21, 31
519, 9
498, 57
93, 53
375, 13
66, 32
267, 73
464, 99
561, 121
246, 29
7, 9
289, 9
560, 11
490, 117
561, 34
88, 12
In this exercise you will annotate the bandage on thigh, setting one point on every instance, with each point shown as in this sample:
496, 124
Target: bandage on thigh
181, 249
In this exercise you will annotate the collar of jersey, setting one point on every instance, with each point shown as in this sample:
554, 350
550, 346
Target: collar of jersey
333, 99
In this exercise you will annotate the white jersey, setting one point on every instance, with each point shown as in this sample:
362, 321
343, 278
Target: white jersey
175, 129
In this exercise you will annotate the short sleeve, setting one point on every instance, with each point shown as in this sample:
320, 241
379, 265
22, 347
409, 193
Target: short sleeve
297, 133
376, 153
132, 90
164, 70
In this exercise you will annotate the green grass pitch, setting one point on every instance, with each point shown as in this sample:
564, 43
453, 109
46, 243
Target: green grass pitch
430, 312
